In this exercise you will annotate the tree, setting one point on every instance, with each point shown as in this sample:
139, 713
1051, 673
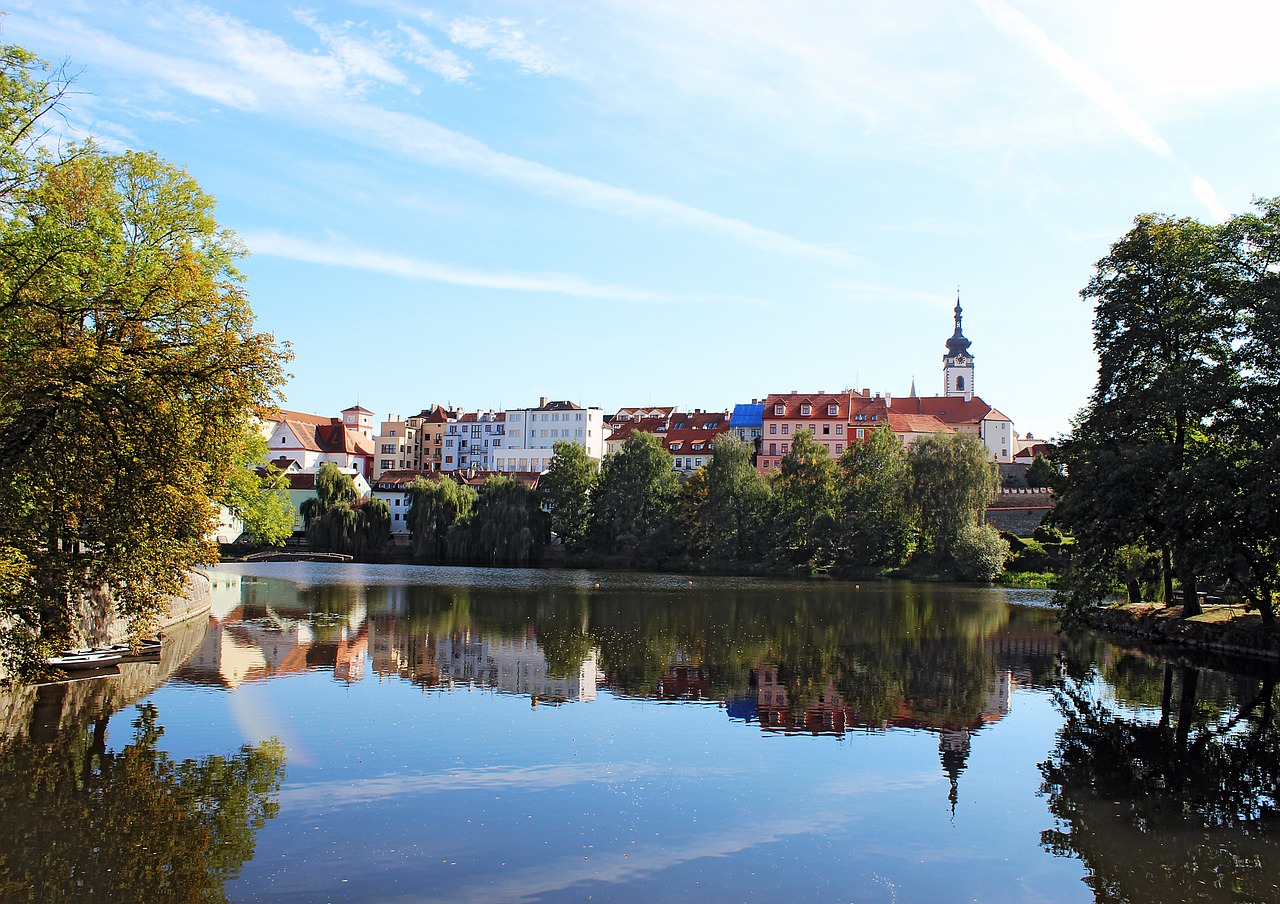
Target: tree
435, 506
875, 522
952, 481
806, 498
508, 526
129, 369
632, 507
1041, 473
568, 484
730, 522
258, 495
1168, 334
337, 520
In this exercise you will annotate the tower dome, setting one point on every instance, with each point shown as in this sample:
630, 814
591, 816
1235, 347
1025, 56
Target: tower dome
957, 344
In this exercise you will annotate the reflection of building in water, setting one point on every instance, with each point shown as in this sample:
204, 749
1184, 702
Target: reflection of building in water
513, 664
256, 632
685, 679
465, 658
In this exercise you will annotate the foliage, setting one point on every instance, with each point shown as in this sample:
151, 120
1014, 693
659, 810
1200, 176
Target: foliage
435, 506
336, 520
631, 511
1040, 473
261, 501
568, 483
952, 480
730, 519
508, 526
1177, 450
805, 502
129, 369
979, 553
875, 526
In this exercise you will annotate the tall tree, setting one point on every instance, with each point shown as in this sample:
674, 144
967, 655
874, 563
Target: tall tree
875, 521
952, 481
805, 502
129, 368
435, 506
731, 519
508, 526
631, 511
1164, 331
568, 484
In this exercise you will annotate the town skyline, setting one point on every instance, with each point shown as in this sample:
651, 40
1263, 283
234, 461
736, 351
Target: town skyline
632, 204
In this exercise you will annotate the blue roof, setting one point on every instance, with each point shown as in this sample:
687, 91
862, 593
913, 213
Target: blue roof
748, 415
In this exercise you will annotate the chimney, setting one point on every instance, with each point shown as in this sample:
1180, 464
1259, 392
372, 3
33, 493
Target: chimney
542, 402
888, 400
866, 393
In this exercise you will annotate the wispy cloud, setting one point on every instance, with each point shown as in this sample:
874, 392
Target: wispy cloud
502, 39
1209, 198
1088, 82
336, 253
256, 70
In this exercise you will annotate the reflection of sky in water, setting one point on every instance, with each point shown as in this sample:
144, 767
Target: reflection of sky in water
393, 793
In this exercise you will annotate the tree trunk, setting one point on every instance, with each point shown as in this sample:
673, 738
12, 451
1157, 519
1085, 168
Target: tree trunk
1166, 570
1190, 596
1135, 591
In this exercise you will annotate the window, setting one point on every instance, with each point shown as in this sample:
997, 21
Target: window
784, 448
679, 462
773, 448
779, 410
697, 462
773, 428
386, 464
826, 429
833, 410
839, 429
579, 416
839, 448
861, 433
806, 410
786, 428
395, 517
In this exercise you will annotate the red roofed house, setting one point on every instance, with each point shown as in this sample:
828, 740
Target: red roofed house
825, 414
310, 440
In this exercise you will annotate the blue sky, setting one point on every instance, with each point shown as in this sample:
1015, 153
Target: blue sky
623, 202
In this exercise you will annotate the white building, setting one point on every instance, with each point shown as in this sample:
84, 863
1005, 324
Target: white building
533, 432
474, 441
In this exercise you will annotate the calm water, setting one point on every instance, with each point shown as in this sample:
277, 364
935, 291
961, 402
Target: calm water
363, 733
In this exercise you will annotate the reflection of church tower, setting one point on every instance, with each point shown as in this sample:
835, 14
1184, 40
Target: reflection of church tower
953, 745
957, 363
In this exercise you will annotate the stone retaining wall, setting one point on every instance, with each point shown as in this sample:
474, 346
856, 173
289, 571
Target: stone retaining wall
1240, 637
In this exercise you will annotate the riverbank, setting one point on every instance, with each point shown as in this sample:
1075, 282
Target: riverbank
1221, 629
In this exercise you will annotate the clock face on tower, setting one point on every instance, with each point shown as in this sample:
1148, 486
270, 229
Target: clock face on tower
960, 359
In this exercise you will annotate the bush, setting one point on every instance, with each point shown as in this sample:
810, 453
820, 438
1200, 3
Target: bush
979, 553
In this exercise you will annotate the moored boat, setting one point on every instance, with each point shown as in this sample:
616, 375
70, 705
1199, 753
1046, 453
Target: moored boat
102, 657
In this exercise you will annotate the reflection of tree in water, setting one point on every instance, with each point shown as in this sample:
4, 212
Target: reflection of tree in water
82, 823
1183, 807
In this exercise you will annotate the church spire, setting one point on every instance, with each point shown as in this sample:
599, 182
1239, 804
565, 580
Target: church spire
958, 344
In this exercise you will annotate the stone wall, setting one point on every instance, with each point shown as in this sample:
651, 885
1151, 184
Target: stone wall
1020, 511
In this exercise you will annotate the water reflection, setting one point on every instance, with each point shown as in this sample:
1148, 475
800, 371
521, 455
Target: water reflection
1175, 800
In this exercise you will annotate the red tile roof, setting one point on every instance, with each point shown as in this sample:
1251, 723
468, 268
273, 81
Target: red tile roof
819, 403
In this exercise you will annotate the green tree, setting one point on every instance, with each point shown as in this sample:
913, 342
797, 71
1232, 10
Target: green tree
129, 369
568, 483
631, 511
1041, 473
258, 495
1165, 329
875, 521
952, 481
337, 520
435, 506
730, 521
806, 501
508, 526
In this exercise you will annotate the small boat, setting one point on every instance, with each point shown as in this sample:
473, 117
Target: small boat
103, 657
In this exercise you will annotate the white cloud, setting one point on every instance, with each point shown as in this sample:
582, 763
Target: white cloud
1209, 198
444, 63
1075, 72
337, 253
502, 39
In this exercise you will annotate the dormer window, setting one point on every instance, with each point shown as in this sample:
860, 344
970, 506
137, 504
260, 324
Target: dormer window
832, 410
806, 409
779, 410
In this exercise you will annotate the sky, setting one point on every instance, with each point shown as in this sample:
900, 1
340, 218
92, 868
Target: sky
679, 202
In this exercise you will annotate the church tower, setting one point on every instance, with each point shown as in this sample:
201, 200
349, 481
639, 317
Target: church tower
957, 363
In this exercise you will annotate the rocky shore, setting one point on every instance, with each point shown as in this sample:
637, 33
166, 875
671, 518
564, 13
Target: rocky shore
1226, 630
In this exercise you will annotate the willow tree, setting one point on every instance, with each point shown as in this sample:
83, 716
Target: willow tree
130, 373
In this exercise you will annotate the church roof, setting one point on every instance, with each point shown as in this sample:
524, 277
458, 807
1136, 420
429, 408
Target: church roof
958, 344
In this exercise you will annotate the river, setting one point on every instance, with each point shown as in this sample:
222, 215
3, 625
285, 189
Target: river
400, 733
